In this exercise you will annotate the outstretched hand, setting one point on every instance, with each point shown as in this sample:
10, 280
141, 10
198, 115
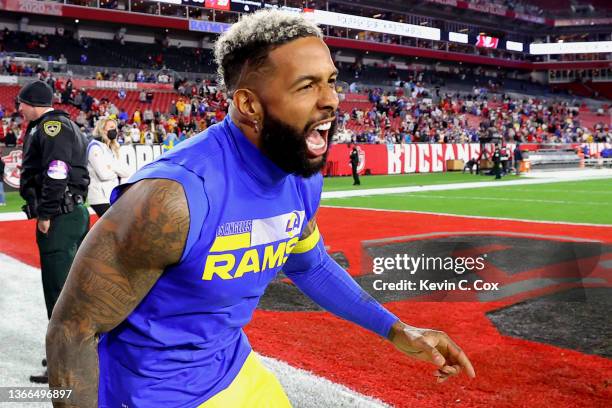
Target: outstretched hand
432, 346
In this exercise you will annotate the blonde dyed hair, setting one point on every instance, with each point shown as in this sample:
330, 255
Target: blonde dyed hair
100, 133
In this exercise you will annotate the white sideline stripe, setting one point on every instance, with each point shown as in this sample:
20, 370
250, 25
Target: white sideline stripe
307, 390
23, 325
444, 234
480, 217
22, 335
550, 190
579, 176
20, 216
532, 200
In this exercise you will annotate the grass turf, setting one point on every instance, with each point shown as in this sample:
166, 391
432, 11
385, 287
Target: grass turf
585, 201
404, 180
13, 202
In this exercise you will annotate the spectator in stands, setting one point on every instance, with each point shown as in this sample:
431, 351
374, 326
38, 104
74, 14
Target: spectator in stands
148, 116
112, 110
122, 94
170, 140
180, 106
142, 96
134, 136
105, 168
160, 133
123, 116
10, 139
137, 117
81, 119
186, 109
148, 136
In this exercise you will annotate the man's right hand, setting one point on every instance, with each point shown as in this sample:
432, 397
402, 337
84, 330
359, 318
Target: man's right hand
432, 346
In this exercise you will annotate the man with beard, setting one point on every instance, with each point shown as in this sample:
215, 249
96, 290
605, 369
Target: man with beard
154, 309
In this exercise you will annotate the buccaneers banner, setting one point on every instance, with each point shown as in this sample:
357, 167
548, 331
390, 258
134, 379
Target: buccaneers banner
373, 158
397, 158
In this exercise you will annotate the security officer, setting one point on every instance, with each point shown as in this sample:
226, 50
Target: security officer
54, 182
354, 159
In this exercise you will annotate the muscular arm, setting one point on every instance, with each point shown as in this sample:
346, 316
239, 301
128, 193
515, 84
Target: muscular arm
320, 278
330, 286
118, 263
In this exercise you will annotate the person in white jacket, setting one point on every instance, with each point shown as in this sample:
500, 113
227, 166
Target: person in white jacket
104, 165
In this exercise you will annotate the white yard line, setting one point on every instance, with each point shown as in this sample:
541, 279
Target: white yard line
509, 199
479, 217
20, 216
534, 178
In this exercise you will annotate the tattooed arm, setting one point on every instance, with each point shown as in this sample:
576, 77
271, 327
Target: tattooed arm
119, 261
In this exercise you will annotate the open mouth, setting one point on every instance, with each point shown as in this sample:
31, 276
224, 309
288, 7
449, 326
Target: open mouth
316, 141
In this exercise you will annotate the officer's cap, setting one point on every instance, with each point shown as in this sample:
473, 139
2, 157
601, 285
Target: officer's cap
36, 93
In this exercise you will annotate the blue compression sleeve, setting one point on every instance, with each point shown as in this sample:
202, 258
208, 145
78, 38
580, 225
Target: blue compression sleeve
320, 278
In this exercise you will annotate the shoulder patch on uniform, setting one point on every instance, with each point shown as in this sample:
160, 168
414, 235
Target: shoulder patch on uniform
52, 128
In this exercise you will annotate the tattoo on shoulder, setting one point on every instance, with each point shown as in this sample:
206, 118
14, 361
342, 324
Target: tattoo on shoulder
127, 251
310, 227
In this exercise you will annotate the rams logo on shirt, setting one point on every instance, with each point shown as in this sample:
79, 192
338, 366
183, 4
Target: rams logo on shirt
253, 246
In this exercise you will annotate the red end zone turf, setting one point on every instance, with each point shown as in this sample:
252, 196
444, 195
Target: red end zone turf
510, 372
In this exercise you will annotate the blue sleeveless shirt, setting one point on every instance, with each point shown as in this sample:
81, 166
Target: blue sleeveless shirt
184, 342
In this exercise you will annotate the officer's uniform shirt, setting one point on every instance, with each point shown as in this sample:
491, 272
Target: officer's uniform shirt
54, 156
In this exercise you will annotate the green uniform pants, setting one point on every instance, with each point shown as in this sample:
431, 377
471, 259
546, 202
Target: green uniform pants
57, 249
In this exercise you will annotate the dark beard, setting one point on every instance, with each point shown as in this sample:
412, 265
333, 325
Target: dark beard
287, 148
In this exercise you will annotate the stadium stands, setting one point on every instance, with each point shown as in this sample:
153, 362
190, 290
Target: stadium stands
438, 100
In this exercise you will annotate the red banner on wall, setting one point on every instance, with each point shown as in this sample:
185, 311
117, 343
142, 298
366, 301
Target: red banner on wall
92, 83
32, 6
396, 159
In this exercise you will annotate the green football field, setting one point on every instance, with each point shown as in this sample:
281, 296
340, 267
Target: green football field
588, 201
13, 202
404, 180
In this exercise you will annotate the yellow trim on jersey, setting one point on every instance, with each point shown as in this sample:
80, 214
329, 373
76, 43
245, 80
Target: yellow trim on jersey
307, 243
254, 387
231, 242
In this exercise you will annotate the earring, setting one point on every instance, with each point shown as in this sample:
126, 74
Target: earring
255, 123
